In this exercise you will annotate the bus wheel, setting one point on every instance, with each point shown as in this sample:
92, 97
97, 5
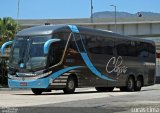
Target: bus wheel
37, 91
71, 85
130, 84
101, 89
138, 84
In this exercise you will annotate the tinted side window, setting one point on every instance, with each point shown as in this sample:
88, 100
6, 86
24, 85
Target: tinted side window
122, 47
63, 36
78, 42
127, 48
100, 45
132, 49
142, 49
151, 48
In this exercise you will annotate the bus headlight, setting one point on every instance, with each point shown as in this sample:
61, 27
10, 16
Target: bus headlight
44, 74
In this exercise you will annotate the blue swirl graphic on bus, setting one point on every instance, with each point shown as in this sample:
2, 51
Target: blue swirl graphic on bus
62, 71
92, 68
85, 57
41, 82
73, 28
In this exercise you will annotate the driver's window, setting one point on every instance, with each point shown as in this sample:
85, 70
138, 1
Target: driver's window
57, 48
55, 53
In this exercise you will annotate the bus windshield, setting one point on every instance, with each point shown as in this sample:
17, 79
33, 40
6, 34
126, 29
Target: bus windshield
29, 51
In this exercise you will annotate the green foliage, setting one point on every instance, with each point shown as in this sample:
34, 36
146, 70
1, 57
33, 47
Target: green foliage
8, 28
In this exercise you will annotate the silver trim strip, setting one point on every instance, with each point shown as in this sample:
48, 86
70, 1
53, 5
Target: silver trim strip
29, 78
58, 84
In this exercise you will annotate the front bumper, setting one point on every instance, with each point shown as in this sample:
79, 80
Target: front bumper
38, 83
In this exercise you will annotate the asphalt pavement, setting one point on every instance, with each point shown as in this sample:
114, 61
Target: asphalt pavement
85, 100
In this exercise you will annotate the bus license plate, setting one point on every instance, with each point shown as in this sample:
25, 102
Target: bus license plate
23, 84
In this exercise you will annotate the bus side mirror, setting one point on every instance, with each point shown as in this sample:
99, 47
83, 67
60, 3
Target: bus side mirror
48, 43
4, 46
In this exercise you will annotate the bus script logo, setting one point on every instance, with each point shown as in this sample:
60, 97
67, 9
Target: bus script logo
117, 65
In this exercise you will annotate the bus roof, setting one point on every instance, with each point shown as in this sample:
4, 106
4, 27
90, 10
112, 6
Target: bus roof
49, 29
110, 34
40, 30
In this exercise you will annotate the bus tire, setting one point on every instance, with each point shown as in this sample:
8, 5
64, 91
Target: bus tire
138, 84
70, 86
37, 91
130, 84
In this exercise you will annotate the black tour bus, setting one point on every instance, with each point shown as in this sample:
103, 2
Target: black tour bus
65, 57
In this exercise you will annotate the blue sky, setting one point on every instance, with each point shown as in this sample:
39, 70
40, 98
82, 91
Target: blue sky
60, 9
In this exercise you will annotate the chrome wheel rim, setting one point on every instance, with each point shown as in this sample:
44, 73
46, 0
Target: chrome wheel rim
71, 84
130, 84
139, 83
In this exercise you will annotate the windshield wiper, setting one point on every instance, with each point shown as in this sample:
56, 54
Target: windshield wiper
21, 60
